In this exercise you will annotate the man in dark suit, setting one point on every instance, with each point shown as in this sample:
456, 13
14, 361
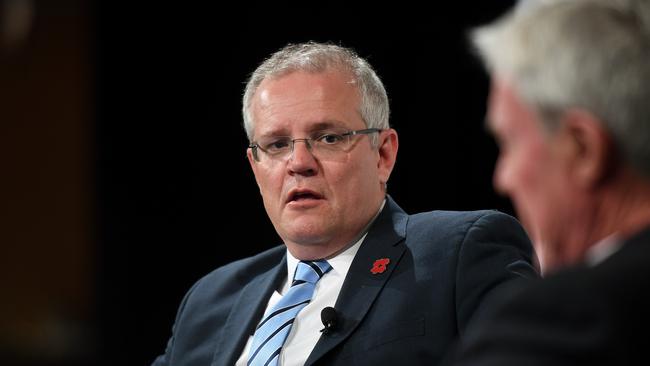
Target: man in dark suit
401, 287
570, 106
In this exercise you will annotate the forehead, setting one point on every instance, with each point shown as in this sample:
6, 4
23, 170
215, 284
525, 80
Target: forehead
302, 100
507, 112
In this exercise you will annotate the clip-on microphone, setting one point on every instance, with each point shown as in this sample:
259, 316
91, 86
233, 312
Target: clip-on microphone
329, 317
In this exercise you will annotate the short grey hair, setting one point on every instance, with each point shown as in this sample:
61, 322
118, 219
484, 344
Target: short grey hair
317, 58
591, 54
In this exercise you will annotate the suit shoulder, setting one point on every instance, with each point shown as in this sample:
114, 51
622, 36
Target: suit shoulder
258, 263
242, 271
460, 220
469, 232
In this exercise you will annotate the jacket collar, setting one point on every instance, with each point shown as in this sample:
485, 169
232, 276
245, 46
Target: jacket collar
361, 287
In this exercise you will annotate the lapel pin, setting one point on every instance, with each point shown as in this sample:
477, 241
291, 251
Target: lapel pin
379, 266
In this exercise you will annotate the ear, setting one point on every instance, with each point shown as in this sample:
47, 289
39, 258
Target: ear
387, 148
253, 163
588, 147
251, 160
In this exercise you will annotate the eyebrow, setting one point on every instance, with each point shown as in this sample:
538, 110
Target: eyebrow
325, 125
319, 126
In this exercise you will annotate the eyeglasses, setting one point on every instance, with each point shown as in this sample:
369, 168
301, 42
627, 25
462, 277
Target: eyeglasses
323, 144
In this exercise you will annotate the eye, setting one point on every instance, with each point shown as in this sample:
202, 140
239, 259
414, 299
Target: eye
276, 145
330, 138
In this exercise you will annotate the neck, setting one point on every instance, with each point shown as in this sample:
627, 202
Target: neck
622, 208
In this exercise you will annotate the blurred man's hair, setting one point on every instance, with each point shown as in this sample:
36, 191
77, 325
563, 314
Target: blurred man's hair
589, 54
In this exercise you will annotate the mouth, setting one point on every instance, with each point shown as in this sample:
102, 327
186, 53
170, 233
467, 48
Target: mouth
298, 195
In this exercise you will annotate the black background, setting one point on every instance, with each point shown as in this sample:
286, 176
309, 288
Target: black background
175, 195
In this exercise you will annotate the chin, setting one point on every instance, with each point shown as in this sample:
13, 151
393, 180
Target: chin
307, 240
305, 234
550, 260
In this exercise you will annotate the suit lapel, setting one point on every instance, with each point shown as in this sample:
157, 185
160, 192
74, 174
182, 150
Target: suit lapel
361, 286
245, 314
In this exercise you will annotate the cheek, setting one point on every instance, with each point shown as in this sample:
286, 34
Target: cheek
520, 175
523, 166
535, 193
341, 180
361, 172
269, 182
351, 182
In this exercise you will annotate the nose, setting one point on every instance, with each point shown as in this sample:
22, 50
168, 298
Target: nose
302, 160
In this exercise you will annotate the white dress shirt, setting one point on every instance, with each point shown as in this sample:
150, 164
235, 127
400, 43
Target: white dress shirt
603, 250
305, 330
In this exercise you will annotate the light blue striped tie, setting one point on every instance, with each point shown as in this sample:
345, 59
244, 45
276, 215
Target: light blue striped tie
276, 324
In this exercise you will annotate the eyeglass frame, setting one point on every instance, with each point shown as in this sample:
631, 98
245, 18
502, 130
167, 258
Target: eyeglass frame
308, 140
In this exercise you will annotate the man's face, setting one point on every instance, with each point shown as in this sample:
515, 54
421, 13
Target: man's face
530, 170
317, 205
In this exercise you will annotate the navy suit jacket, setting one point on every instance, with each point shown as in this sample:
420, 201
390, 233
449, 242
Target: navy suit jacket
443, 266
584, 315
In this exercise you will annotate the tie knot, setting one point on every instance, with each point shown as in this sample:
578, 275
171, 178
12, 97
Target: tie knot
310, 271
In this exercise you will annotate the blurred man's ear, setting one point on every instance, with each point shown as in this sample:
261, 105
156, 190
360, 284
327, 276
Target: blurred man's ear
588, 148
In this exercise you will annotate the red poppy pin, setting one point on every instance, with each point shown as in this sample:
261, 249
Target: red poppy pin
379, 266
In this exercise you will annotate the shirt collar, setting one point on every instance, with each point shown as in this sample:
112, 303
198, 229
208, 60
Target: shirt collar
340, 263
603, 249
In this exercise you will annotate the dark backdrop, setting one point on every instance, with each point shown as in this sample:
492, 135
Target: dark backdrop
175, 195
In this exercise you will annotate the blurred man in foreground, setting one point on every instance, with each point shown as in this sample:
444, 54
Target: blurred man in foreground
570, 108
